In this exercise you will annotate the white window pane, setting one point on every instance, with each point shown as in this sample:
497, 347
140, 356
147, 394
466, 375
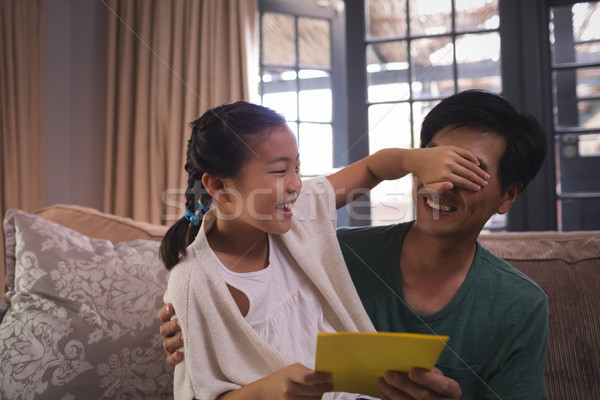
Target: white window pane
388, 92
315, 142
420, 110
389, 126
315, 105
282, 102
294, 128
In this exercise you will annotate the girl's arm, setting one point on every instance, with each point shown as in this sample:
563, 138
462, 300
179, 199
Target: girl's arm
292, 382
440, 168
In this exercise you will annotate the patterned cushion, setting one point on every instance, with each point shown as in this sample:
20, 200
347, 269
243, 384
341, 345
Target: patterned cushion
81, 315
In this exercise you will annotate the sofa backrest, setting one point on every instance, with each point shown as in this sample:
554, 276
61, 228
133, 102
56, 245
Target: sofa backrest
567, 268
96, 224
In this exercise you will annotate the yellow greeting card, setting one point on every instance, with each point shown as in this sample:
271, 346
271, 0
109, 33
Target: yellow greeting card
358, 359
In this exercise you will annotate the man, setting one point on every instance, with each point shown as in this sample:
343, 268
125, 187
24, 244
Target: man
431, 276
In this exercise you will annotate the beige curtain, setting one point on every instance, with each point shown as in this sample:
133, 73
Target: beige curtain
168, 62
22, 143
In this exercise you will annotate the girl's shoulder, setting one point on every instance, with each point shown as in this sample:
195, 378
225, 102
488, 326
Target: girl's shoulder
180, 275
315, 202
316, 184
197, 256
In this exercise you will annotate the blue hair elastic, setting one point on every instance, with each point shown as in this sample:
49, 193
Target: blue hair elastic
204, 208
193, 218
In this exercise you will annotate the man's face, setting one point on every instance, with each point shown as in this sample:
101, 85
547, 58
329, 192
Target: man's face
461, 213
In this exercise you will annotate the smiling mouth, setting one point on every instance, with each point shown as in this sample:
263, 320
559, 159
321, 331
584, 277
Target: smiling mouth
286, 207
438, 206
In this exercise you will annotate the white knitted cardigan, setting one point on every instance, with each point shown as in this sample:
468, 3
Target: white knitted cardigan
221, 351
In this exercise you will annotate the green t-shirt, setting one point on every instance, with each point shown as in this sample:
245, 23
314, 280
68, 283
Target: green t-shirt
497, 321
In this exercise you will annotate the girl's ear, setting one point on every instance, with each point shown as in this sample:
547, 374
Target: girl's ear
215, 187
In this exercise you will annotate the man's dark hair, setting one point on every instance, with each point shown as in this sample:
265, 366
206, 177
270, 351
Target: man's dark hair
525, 139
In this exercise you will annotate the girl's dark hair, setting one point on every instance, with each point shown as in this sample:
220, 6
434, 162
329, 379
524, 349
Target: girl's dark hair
525, 139
221, 142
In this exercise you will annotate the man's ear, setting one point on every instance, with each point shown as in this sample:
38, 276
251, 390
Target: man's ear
215, 187
509, 197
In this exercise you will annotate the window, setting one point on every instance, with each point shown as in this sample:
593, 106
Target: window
300, 70
575, 49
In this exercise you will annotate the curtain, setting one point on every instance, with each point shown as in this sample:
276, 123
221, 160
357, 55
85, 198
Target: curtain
168, 62
22, 143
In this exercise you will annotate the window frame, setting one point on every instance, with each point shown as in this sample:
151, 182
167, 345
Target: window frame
299, 8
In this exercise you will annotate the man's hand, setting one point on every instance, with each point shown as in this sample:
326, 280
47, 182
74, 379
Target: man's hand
171, 332
418, 384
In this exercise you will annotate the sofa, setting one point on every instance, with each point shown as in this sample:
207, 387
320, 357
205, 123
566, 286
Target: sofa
78, 316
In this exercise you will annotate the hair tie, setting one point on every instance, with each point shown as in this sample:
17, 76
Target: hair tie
192, 217
204, 208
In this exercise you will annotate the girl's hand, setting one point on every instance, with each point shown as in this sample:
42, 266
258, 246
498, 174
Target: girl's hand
442, 168
293, 382
297, 382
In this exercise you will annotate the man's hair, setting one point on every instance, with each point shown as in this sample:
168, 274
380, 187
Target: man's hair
525, 139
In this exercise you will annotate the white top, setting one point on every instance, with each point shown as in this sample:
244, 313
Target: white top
222, 352
284, 308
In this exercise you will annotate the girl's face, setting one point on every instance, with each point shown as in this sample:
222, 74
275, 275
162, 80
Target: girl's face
269, 184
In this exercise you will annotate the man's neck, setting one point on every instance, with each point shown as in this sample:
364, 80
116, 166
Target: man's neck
433, 269
443, 254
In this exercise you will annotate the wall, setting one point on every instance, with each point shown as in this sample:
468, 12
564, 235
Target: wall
76, 41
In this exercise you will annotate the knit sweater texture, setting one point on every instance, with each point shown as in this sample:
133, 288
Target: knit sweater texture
221, 350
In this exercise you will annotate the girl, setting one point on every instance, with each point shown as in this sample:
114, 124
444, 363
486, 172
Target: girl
259, 271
